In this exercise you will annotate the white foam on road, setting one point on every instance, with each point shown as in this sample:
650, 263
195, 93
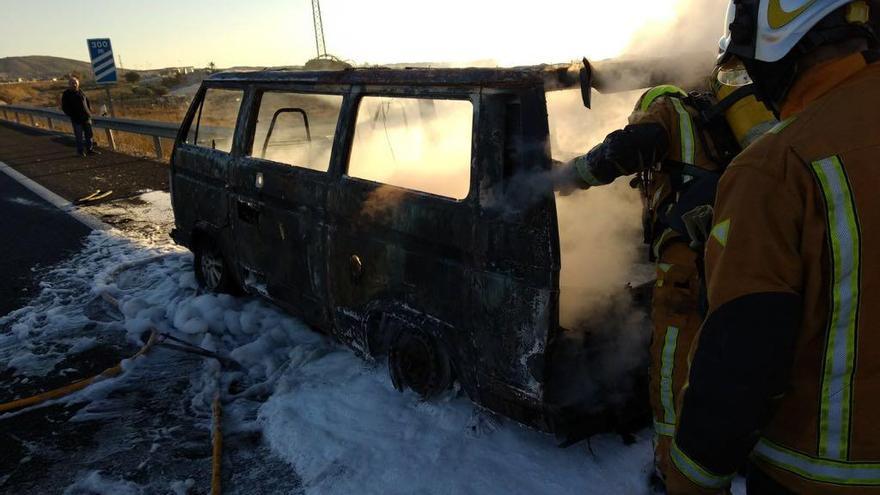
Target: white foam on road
333, 417
338, 421
346, 430
93, 483
146, 216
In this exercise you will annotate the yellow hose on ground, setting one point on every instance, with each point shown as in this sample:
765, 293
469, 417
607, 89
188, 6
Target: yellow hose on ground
75, 386
217, 442
217, 452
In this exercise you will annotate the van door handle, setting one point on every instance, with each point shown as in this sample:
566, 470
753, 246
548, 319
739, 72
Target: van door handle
356, 267
248, 212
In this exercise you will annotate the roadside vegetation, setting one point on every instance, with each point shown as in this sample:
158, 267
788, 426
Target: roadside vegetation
135, 97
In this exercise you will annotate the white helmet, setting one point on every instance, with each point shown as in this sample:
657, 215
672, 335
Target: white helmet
767, 30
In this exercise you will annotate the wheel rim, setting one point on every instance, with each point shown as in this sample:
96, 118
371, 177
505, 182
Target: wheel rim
212, 269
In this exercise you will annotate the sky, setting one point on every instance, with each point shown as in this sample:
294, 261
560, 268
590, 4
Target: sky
162, 33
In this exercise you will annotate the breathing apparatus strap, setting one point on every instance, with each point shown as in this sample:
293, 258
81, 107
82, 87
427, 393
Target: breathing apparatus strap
680, 168
730, 100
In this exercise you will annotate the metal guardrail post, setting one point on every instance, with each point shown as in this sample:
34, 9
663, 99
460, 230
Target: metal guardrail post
17, 119
111, 142
33, 122
157, 146
50, 124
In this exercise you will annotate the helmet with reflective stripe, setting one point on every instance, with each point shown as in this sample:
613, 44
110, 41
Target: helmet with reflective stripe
767, 30
771, 38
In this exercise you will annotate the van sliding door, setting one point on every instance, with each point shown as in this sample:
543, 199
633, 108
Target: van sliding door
401, 221
285, 168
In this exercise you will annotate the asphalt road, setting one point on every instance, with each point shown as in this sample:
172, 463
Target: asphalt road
50, 159
35, 234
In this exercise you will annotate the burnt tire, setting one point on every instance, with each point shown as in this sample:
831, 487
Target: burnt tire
213, 271
417, 361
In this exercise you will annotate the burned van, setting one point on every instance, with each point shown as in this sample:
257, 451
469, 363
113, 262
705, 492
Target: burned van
404, 212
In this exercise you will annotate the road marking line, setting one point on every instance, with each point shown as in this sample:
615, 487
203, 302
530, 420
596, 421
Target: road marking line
54, 199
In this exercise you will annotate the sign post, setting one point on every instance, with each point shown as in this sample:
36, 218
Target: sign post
103, 65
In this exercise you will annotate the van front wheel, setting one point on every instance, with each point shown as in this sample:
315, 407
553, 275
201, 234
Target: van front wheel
212, 271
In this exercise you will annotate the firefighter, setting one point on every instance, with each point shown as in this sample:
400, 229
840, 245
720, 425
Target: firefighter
677, 144
786, 368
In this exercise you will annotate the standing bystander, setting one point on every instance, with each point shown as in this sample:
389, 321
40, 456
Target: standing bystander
76, 106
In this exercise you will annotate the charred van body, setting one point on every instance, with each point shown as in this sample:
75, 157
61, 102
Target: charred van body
404, 213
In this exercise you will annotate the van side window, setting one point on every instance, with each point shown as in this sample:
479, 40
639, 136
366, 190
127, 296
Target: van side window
214, 122
415, 143
296, 129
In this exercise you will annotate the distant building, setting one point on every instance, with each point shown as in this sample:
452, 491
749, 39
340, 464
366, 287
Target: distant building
178, 70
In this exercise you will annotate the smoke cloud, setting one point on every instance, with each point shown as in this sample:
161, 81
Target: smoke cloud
600, 228
695, 29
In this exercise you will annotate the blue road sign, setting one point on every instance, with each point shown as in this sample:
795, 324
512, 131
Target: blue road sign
102, 60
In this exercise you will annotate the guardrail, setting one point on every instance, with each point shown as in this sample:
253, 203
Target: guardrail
143, 127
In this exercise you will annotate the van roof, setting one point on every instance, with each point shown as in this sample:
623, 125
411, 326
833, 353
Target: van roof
552, 77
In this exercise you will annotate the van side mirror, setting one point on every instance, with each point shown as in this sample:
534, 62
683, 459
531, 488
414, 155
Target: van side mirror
586, 77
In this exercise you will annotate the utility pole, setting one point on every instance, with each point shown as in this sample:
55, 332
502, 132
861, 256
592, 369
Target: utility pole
319, 28
121, 103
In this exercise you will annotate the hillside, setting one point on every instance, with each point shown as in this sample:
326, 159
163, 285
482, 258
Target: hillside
41, 67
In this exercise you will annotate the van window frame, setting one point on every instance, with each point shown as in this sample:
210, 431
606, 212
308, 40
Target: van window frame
470, 94
195, 110
255, 92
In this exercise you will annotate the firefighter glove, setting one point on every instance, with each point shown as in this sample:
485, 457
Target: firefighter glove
565, 178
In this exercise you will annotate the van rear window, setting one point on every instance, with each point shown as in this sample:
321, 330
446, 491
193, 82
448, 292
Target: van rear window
296, 129
414, 143
214, 122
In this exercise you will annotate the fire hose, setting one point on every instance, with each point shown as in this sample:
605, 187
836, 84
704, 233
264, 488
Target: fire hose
155, 338
77, 385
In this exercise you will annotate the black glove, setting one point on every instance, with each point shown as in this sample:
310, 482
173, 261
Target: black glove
624, 152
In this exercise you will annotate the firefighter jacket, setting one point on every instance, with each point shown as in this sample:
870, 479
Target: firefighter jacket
666, 145
663, 130
787, 366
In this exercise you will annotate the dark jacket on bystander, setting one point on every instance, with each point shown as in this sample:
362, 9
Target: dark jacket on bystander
76, 106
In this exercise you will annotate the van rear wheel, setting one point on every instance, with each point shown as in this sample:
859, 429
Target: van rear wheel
212, 271
417, 361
